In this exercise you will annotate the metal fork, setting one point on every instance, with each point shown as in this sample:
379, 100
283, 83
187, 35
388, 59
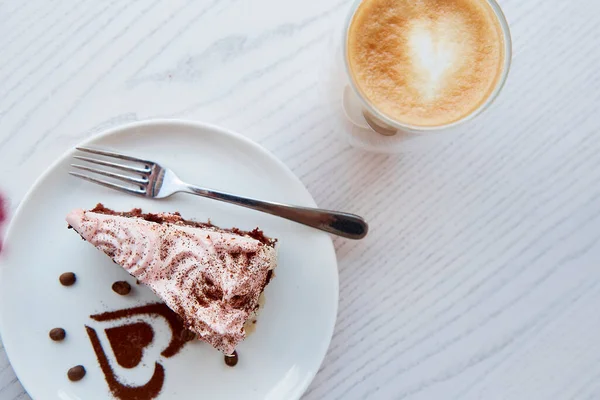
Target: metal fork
149, 179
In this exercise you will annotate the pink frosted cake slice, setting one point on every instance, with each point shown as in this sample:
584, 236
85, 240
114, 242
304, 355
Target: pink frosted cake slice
211, 277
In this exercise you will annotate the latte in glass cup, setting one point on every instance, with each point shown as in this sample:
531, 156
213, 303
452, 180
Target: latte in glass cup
426, 64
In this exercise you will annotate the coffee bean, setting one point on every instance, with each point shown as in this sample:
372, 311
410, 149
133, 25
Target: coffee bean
231, 360
121, 287
57, 334
76, 373
67, 279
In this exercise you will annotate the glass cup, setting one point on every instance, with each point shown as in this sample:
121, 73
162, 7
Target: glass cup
372, 130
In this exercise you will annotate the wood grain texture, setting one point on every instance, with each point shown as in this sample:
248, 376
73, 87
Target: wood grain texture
480, 277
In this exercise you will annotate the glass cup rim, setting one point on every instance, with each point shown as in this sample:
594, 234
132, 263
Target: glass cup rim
416, 128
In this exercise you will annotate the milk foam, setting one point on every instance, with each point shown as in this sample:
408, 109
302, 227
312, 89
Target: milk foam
436, 52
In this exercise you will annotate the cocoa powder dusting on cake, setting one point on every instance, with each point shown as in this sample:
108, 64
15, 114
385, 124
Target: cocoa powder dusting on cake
175, 218
202, 302
239, 301
165, 244
213, 292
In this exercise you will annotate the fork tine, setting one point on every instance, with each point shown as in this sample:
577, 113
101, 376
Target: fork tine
114, 155
109, 184
114, 165
125, 178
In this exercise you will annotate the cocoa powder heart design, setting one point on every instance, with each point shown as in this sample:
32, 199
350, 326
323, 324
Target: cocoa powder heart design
129, 341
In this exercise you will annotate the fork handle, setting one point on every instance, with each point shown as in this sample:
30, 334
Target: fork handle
338, 223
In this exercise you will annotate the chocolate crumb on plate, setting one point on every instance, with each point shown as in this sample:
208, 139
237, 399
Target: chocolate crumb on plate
187, 335
121, 287
67, 279
76, 373
57, 334
232, 359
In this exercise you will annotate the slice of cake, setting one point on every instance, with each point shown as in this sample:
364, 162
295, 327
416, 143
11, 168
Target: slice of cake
209, 276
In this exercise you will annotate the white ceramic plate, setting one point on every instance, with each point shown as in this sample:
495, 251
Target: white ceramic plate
277, 361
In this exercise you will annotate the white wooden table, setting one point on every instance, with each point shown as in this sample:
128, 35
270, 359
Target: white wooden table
480, 277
